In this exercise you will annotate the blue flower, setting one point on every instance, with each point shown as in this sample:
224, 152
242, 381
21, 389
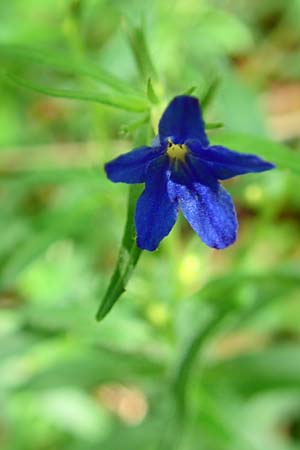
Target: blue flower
182, 171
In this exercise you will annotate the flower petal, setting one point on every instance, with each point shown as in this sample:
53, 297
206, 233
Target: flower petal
182, 120
131, 167
225, 163
211, 214
155, 212
193, 171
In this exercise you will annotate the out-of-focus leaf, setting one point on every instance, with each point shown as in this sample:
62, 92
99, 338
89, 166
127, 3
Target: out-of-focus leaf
125, 102
213, 126
221, 413
55, 176
187, 359
74, 411
224, 32
190, 91
63, 62
276, 367
207, 96
129, 128
138, 44
88, 367
25, 255
237, 104
151, 93
218, 294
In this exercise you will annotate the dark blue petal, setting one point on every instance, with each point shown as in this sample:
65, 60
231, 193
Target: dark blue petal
211, 214
131, 167
193, 171
182, 120
225, 163
155, 212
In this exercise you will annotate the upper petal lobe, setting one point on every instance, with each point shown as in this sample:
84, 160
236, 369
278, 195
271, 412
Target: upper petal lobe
182, 120
155, 212
131, 167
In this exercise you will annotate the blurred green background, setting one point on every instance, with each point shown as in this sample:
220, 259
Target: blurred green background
203, 349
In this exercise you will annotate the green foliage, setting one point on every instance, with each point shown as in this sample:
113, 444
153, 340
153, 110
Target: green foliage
63, 62
200, 349
138, 44
118, 101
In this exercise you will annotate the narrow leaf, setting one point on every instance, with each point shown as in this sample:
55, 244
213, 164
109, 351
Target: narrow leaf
128, 258
127, 103
271, 368
214, 293
139, 47
192, 350
151, 93
208, 95
190, 91
129, 128
51, 176
64, 62
213, 126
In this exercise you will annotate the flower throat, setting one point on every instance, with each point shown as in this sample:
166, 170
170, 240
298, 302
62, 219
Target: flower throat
176, 151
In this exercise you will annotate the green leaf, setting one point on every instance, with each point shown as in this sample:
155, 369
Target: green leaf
190, 91
125, 102
214, 293
128, 258
64, 62
151, 93
275, 152
88, 366
139, 47
213, 126
53, 176
207, 96
26, 254
272, 368
186, 361
129, 128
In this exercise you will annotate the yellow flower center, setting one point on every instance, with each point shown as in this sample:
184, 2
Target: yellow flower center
177, 151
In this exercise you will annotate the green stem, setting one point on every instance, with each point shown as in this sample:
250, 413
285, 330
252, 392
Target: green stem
189, 356
221, 289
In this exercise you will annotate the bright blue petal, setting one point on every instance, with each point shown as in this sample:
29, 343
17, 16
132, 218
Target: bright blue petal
131, 167
155, 212
182, 120
193, 170
225, 163
211, 214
